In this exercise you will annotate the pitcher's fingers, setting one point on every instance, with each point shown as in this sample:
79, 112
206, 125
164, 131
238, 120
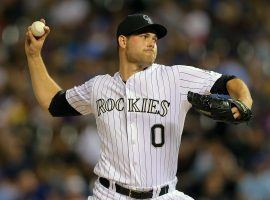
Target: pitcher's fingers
29, 30
234, 109
43, 37
235, 112
47, 30
27, 39
236, 115
43, 20
27, 35
31, 36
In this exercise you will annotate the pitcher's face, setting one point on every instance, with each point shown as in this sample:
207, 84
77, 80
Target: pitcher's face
142, 48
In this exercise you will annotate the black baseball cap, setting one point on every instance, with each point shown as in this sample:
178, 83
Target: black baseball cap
138, 23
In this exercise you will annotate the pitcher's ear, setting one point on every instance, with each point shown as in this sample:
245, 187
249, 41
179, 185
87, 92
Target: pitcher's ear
122, 41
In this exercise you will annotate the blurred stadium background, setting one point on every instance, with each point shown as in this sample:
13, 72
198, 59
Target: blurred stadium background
45, 158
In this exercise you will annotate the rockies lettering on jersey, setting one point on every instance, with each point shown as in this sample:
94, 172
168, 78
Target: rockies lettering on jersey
140, 122
135, 105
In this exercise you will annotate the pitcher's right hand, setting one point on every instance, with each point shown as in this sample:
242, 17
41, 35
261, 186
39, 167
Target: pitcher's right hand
34, 45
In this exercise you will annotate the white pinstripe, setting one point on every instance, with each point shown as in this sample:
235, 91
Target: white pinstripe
125, 114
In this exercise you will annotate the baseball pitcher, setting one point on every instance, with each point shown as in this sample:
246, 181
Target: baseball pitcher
140, 110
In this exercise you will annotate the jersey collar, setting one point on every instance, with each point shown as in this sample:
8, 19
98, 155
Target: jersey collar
118, 77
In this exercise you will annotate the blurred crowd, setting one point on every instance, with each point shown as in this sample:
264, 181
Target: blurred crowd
46, 158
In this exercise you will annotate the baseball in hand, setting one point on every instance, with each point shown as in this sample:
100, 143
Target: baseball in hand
37, 28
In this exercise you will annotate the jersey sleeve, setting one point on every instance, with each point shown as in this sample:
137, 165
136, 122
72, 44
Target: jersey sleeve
80, 97
195, 79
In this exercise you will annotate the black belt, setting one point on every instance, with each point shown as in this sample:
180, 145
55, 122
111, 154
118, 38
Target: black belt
133, 193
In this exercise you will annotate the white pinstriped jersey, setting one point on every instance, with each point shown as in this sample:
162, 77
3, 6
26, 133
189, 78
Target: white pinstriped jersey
140, 122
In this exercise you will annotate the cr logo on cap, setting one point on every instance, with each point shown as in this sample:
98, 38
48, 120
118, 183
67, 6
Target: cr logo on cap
147, 19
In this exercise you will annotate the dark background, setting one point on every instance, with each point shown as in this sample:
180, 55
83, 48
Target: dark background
45, 158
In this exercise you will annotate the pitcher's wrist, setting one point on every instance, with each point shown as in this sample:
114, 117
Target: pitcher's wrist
34, 56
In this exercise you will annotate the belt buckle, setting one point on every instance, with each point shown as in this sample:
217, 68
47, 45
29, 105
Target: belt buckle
135, 192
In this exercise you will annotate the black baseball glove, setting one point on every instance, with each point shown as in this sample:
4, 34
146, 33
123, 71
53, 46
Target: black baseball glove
218, 107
